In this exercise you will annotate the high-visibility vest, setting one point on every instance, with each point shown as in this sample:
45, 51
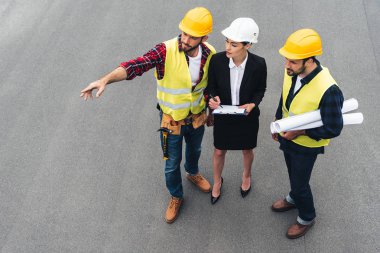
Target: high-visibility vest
174, 91
307, 100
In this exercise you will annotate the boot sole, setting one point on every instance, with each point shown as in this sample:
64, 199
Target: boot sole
284, 209
171, 221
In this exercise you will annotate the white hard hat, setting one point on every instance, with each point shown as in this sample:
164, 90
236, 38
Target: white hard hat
242, 30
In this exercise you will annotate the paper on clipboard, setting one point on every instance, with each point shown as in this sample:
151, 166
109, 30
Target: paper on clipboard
229, 109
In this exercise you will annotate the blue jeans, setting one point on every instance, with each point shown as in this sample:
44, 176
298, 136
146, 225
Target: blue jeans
300, 167
193, 138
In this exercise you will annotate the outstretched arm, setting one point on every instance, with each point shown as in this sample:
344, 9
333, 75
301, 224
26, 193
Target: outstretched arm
116, 75
130, 69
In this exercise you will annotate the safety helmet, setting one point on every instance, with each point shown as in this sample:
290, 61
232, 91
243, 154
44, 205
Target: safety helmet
242, 30
197, 22
302, 44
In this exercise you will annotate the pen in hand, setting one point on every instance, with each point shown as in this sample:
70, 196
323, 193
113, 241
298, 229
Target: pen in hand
215, 100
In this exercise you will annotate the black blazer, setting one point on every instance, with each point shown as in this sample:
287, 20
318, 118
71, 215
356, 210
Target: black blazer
253, 84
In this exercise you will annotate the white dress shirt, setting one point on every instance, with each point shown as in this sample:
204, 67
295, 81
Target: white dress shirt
236, 76
298, 85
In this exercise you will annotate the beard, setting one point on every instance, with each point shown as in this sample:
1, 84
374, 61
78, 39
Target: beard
189, 49
291, 72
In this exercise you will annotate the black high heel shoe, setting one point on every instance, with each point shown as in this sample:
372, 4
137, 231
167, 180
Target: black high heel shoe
215, 199
244, 193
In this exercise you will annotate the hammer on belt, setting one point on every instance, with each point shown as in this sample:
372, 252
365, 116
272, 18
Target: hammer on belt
165, 133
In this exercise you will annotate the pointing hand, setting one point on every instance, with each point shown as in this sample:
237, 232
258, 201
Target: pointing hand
97, 85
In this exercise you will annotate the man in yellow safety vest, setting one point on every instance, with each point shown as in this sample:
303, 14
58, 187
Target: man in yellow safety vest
181, 73
307, 86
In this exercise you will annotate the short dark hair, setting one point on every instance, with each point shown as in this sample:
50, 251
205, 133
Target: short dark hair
246, 43
306, 59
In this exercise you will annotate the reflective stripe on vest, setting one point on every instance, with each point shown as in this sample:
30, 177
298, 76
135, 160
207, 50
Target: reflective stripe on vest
307, 100
174, 90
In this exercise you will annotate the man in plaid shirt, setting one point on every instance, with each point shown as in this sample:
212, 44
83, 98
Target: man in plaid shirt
307, 87
181, 74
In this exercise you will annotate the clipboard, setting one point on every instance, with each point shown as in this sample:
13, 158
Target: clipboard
230, 109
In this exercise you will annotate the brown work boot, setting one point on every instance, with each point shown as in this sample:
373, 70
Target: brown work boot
200, 181
282, 205
173, 209
297, 230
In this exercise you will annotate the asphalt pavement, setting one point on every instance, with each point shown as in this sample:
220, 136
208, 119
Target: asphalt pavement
80, 176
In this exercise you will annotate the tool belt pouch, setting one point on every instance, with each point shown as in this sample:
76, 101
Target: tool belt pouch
168, 122
199, 119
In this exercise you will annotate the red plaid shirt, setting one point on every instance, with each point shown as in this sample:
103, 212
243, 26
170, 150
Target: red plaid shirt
156, 58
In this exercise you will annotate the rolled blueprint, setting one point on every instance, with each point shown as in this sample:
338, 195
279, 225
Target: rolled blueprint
307, 118
350, 105
272, 130
348, 119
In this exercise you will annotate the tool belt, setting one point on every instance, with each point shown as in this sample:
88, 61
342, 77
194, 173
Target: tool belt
170, 126
174, 127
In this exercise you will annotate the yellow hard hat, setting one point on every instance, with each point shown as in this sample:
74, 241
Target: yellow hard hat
197, 22
302, 44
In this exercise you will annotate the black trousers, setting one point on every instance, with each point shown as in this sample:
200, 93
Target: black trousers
300, 167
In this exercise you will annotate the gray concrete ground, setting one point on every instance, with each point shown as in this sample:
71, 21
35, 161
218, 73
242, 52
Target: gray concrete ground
81, 176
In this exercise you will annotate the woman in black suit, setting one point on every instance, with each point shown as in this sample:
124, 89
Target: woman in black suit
236, 77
